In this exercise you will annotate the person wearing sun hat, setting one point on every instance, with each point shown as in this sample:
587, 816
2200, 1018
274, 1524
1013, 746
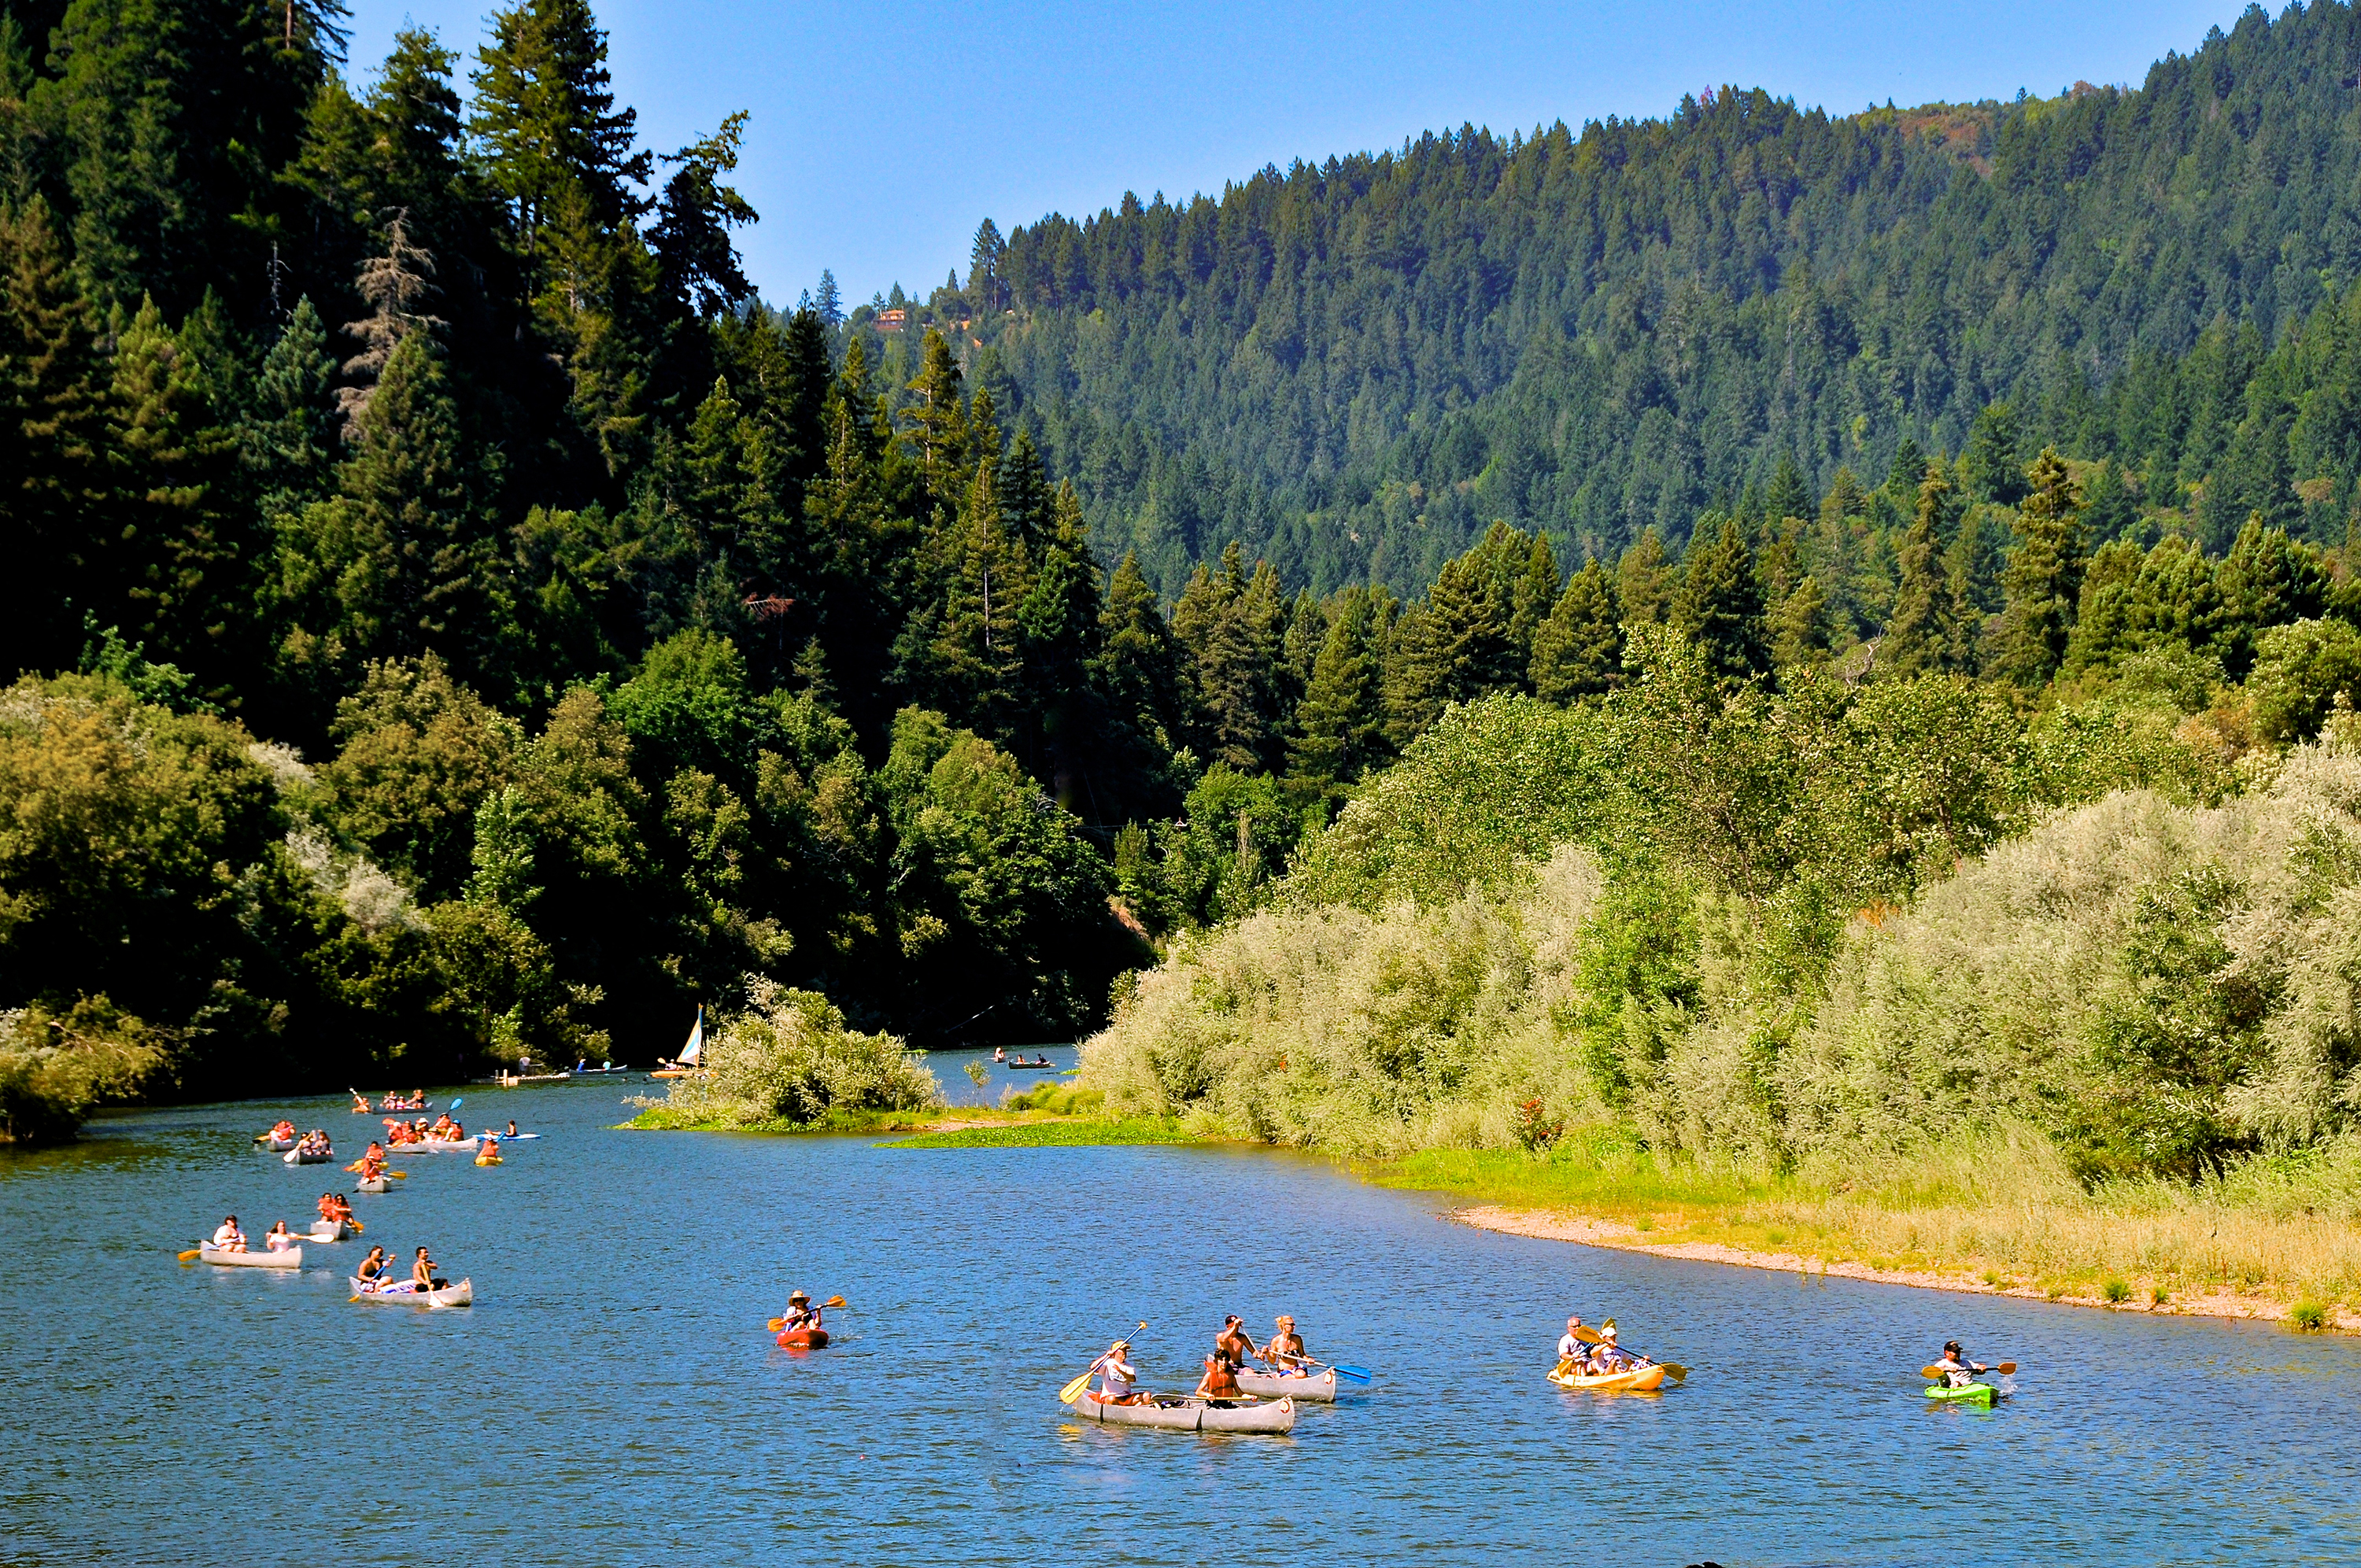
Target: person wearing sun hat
800, 1313
1116, 1374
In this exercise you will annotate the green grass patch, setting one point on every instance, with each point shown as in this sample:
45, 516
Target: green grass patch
663, 1118
1064, 1134
2307, 1316
2116, 1291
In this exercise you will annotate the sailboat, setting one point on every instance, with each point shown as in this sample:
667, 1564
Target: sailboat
692, 1055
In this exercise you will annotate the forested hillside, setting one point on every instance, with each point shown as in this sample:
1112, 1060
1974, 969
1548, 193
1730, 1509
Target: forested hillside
1353, 368
457, 618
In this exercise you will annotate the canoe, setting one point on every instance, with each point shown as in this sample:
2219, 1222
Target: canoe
326, 1231
1973, 1394
435, 1146
463, 1294
1190, 1415
1638, 1380
487, 1160
381, 1185
1025, 1066
291, 1258
804, 1338
276, 1146
297, 1156
1294, 1386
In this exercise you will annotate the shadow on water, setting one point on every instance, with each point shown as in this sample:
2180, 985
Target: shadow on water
614, 1397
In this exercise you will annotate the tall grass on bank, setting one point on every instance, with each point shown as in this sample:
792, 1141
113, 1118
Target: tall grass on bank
789, 1060
2003, 1208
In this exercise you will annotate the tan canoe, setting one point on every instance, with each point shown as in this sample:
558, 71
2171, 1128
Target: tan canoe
1320, 1388
463, 1294
1190, 1415
291, 1258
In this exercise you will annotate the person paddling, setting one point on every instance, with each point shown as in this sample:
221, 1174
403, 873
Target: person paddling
278, 1238
371, 1273
227, 1237
1573, 1355
422, 1273
512, 1132
1286, 1350
1958, 1371
1221, 1380
1233, 1340
800, 1314
1116, 1374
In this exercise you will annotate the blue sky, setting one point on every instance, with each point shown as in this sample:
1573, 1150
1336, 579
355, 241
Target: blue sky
880, 136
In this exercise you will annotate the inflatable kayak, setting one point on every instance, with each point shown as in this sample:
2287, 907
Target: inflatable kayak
803, 1339
1973, 1394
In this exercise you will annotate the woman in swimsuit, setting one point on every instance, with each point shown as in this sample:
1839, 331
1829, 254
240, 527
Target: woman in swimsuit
1285, 1350
371, 1273
277, 1238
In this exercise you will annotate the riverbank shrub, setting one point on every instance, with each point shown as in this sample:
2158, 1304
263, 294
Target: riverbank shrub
789, 1057
55, 1067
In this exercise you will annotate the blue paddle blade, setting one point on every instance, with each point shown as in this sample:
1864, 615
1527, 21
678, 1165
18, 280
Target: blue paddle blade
1358, 1373
457, 1103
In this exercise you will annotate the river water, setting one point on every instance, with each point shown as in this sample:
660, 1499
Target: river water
613, 1398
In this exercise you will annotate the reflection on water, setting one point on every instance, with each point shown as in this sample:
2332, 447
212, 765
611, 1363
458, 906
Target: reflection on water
614, 1399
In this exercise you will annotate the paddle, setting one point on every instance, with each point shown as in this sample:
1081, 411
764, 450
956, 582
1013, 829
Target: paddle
1074, 1390
775, 1324
1358, 1373
2005, 1368
193, 1255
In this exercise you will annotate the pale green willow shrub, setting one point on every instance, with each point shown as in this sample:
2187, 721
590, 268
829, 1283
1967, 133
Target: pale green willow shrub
1360, 1033
55, 1067
789, 1057
2158, 986
1490, 790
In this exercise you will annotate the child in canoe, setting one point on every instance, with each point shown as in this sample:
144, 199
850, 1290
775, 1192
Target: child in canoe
1221, 1380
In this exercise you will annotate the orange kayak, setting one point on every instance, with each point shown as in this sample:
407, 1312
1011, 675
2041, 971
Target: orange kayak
803, 1339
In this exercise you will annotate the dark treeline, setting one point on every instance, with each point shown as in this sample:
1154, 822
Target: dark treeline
1353, 368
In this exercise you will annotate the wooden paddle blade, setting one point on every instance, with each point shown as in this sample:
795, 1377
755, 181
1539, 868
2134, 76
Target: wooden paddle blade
2005, 1367
833, 1301
1930, 1372
1073, 1391
193, 1255
1586, 1335
1675, 1371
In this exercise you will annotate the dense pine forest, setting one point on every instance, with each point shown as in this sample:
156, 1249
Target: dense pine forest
460, 619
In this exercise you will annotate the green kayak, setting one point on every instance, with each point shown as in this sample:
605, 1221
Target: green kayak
1973, 1394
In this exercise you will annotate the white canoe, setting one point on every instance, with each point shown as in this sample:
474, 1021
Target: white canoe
381, 1184
1191, 1415
276, 1146
1321, 1389
291, 1258
297, 1156
325, 1231
463, 1294
435, 1146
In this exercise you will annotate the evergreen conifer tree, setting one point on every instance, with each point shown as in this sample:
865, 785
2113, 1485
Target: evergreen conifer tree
1340, 725
1645, 582
1579, 651
2043, 578
1720, 606
1924, 632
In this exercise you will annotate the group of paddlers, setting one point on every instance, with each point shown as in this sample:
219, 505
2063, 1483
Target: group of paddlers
419, 1130
417, 1102
1586, 1352
1283, 1355
333, 1210
377, 1280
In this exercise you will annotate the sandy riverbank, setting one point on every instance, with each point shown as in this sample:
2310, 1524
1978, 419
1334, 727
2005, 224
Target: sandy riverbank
1589, 1232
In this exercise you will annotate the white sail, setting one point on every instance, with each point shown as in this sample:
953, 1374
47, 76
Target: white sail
691, 1053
